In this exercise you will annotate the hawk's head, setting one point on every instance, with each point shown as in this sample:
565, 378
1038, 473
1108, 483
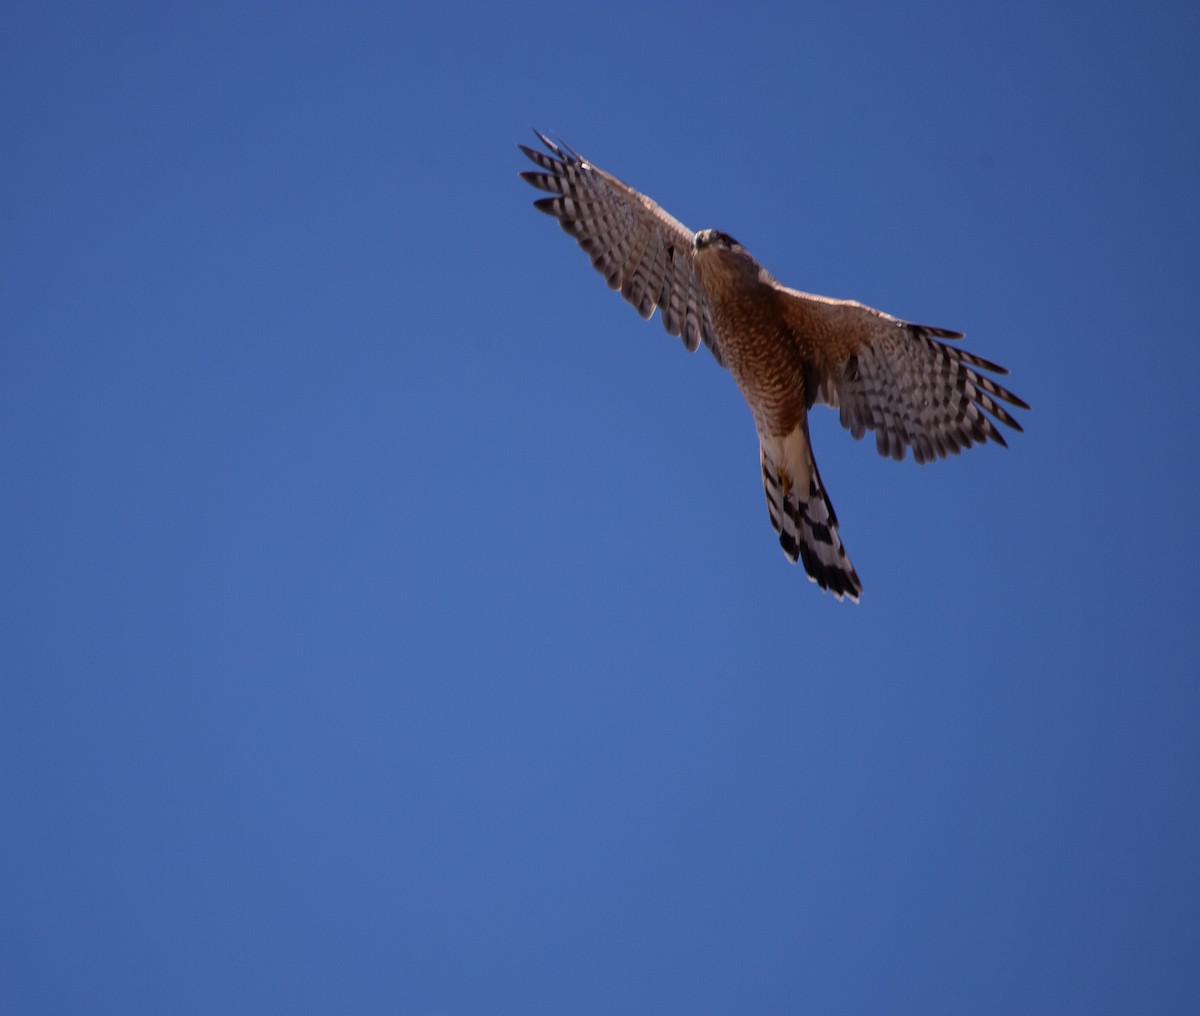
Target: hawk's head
719, 253
714, 238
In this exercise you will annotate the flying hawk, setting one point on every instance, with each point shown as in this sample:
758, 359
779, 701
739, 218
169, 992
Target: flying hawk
786, 350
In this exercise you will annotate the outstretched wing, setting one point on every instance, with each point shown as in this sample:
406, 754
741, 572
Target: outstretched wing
899, 380
634, 244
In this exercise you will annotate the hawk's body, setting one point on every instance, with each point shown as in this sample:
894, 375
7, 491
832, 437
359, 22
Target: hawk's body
785, 349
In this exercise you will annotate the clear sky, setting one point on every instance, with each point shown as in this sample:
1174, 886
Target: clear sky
391, 621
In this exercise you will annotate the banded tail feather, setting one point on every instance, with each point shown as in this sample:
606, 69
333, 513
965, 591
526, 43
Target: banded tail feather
808, 528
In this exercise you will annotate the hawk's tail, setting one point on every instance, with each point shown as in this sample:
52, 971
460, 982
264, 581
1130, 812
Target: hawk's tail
806, 522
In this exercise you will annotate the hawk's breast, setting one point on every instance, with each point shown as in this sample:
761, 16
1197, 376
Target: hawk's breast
757, 345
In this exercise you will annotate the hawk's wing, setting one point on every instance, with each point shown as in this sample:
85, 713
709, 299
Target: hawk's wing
639, 248
898, 379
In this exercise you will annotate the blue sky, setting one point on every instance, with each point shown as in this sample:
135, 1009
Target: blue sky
392, 619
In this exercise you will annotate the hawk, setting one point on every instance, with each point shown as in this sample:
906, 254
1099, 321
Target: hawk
786, 350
